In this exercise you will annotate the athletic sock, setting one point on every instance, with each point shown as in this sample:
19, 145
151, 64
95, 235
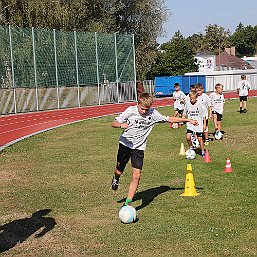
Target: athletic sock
117, 177
128, 201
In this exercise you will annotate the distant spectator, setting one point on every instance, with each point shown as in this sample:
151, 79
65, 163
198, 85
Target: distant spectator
140, 88
242, 89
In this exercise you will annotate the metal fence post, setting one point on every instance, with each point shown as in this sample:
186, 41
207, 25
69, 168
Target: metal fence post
12, 64
116, 66
77, 66
56, 71
97, 68
35, 66
134, 56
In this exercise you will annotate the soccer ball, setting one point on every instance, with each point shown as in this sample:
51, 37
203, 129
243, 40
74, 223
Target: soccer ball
127, 214
218, 135
190, 154
174, 125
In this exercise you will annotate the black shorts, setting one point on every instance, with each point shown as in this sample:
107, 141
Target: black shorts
219, 116
179, 111
125, 153
243, 98
198, 134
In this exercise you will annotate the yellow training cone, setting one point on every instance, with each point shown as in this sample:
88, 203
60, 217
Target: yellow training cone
190, 184
182, 150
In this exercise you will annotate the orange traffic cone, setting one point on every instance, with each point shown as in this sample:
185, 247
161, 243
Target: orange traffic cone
207, 157
228, 167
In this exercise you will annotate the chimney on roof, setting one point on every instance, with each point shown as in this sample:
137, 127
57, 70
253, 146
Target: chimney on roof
231, 50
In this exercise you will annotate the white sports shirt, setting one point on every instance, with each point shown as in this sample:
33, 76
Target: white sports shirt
140, 126
217, 102
205, 101
196, 112
243, 87
178, 97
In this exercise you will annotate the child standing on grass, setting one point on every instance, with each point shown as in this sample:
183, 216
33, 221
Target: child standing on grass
195, 110
137, 122
242, 89
205, 101
179, 100
217, 106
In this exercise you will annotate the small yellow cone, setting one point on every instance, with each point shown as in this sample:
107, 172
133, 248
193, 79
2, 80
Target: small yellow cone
190, 184
182, 150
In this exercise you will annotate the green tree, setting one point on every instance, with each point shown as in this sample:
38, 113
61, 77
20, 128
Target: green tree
216, 38
245, 40
175, 57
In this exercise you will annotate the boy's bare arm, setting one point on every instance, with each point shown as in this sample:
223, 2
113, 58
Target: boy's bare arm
116, 124
210, 113
176, 119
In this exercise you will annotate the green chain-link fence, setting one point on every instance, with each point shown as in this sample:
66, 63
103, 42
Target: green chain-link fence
48, 69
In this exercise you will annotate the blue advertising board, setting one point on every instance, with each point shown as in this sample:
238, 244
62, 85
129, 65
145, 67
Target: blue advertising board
164, 86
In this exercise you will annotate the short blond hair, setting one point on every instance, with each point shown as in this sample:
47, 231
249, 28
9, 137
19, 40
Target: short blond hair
145, 99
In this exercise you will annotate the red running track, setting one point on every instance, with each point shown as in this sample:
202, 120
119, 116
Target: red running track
16, 127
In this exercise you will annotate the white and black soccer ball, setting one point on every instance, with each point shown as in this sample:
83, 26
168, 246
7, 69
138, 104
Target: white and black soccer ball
190, 154
218, 135
127, 214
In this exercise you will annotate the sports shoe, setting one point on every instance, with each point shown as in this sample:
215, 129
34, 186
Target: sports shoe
244, 110
206, 142
115, 183
241, 111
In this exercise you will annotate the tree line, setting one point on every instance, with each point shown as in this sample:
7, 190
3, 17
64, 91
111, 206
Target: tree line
144, 19
177, 56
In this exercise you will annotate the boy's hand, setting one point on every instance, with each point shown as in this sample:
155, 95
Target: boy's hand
124, 125
194, 122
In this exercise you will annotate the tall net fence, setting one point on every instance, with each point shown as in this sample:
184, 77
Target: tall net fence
49, 69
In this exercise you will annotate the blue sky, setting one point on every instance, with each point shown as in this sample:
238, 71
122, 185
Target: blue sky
192, 16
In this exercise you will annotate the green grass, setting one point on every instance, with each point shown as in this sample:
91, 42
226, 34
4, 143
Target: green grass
69, 170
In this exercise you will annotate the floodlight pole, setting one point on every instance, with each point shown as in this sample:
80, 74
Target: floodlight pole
116, 66
97, 69
134, 57
13, 83
56, 71
35, 67
77, 66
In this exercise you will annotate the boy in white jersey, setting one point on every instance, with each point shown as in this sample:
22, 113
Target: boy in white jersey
242, 89
137, 122
179, 100
217, 106
193, 90
195, 110
205, 101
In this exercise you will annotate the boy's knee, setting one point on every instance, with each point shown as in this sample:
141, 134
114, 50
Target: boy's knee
136, 175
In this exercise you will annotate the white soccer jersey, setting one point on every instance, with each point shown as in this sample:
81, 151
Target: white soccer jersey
140, 126
187, 99
178, 96
196, 112
243, 87
205, 101
217, 102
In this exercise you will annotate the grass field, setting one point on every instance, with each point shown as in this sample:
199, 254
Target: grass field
69, 170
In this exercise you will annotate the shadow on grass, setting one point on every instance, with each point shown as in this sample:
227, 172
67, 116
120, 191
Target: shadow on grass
18, 231
148, 195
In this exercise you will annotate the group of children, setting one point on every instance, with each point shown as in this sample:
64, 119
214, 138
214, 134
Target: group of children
201, 107
195, 110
